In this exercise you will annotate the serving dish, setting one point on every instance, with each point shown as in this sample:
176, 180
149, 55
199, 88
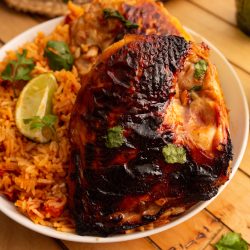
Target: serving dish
239, 124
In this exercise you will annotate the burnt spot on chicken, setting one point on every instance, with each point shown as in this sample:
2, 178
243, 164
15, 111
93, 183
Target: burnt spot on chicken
113, 189
155, 23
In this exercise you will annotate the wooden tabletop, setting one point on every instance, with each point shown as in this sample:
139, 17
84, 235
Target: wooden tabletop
215, 20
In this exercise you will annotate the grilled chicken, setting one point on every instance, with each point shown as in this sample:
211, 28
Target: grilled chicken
92, 33
149, 134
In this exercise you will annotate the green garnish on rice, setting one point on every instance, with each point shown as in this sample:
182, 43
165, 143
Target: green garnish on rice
46, 124
59, 55
19, 69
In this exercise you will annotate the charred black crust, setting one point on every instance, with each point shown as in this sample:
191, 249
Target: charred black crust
221, 162
158, 57
156, 21
137, 87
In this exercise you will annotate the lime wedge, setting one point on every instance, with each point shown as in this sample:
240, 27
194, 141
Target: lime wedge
35, 100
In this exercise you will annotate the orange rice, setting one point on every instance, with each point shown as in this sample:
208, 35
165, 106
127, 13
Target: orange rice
33, 175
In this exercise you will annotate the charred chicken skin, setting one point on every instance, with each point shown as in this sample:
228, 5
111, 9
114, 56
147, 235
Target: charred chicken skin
97, 28
149, 134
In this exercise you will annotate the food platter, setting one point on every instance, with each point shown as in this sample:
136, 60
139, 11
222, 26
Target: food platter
239, 124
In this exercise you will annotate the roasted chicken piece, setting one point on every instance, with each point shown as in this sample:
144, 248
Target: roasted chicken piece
97, 28
149, 134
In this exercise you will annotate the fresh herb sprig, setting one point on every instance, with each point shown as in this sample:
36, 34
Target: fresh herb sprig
114, 138
19, 69
174, 154
200, 69
110, 13
59, 55
46, 124
196, 88
231, 241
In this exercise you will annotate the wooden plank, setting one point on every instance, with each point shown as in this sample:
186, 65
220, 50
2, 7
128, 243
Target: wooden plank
230, 40
1, 43
15, 237
219, 8
245, 80
131, 245
217, 238
245, 164
20, 25
13, 23
232, 205
224, 231
193, 234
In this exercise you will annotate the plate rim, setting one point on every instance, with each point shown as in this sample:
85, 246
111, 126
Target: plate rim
15, 215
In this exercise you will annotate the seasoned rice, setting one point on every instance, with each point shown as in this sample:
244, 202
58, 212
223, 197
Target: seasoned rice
33, 175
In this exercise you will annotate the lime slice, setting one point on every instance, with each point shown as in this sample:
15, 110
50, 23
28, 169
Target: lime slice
35, 100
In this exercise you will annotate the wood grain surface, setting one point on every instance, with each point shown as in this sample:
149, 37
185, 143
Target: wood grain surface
216, 21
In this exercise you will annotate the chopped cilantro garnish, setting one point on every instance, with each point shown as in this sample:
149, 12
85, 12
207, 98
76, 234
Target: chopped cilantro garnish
231, 241
59, 55
174, 154
196, 88
114, 138
200, 69
110, 13
45, 124
19, 69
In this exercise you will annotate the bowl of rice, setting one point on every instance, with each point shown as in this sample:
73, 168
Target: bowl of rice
32, 176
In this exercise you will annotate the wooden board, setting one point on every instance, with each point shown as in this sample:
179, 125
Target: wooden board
232, 206
215, 20
246, 160
245, 80
224, 10
223, 231
15, 237
195, 233
230, 40
13, 23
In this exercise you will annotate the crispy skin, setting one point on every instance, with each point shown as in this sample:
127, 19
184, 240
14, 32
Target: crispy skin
138, 84
92, 33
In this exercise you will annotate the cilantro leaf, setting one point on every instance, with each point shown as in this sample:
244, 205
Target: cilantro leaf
19, 69
196, 88
59, 55
231, 241
6, 74
174, 154
114, 138
27, 121
49, 120
200, 69
45, 124
22, 58
23, 73
36, 125
110, 13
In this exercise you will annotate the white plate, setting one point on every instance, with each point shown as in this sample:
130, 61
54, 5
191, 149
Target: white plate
239, 125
